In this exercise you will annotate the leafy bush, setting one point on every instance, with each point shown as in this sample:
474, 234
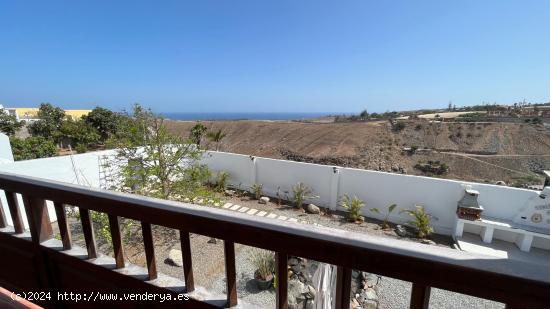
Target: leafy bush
8, 123
81, 148
301, 193
399, 126
353, 205
432, 167
49, 123
420, 220
76, 133
257, 190
32, 148
391, 208
221, 181
264, 262
150, 160
104, 121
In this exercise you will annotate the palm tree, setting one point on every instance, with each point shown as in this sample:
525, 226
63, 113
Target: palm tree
216, 137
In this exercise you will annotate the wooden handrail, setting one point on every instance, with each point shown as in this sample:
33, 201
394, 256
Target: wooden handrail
503, 280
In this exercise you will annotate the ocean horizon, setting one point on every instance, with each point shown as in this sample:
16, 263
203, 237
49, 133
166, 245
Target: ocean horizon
241, 116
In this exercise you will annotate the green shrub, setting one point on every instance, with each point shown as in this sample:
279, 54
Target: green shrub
420, 220
257, 190
33, 147
353, 205
399, 126
391, 208
301, 193
221, 181
81, 148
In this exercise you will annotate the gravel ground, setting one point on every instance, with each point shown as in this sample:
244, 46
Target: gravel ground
395, 294
246, 287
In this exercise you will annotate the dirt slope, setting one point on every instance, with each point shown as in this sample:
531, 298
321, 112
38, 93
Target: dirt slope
473, 151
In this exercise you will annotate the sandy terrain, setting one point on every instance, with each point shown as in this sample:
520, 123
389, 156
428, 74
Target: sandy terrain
474, 151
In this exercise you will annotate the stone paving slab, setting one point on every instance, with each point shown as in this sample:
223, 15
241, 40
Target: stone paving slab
235, 207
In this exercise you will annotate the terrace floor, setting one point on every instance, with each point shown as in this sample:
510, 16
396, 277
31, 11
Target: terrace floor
472, 243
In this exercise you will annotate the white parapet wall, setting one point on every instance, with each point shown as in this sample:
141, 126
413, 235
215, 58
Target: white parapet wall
80, 169
6, 155
377, 189
328, 184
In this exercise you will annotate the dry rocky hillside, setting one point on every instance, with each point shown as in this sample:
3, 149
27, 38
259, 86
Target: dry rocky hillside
484, 152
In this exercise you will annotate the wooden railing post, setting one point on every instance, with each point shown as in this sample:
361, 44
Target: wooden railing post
420, 296
343, 287
88, 230
149, 250
64, 230
15, 213
3, 221
282, 280
185, 241
230, 273
38, 218
116, 238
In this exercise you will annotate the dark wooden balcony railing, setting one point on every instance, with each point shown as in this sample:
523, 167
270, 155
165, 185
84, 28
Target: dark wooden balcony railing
46, 263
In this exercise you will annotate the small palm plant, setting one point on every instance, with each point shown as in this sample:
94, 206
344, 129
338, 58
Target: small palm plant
216, 137
391, 208
301, 193
257, 190
420, 220
353, 205
221, 181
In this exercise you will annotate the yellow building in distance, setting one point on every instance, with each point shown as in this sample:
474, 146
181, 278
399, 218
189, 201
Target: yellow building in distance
31, 113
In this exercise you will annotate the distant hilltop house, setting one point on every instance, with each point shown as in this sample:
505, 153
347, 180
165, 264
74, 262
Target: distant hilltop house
30, 114
449, 115
536, 110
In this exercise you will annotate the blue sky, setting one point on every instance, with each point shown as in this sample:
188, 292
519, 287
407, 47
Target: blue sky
273, 56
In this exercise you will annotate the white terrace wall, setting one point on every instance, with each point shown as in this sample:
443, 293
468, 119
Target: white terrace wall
84, 171
278, 177
241, 168
5, 149
438, 196
377, 189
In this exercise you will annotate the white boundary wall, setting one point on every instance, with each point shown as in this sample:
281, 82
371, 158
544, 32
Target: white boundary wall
5, 148
376, 189
56, 168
